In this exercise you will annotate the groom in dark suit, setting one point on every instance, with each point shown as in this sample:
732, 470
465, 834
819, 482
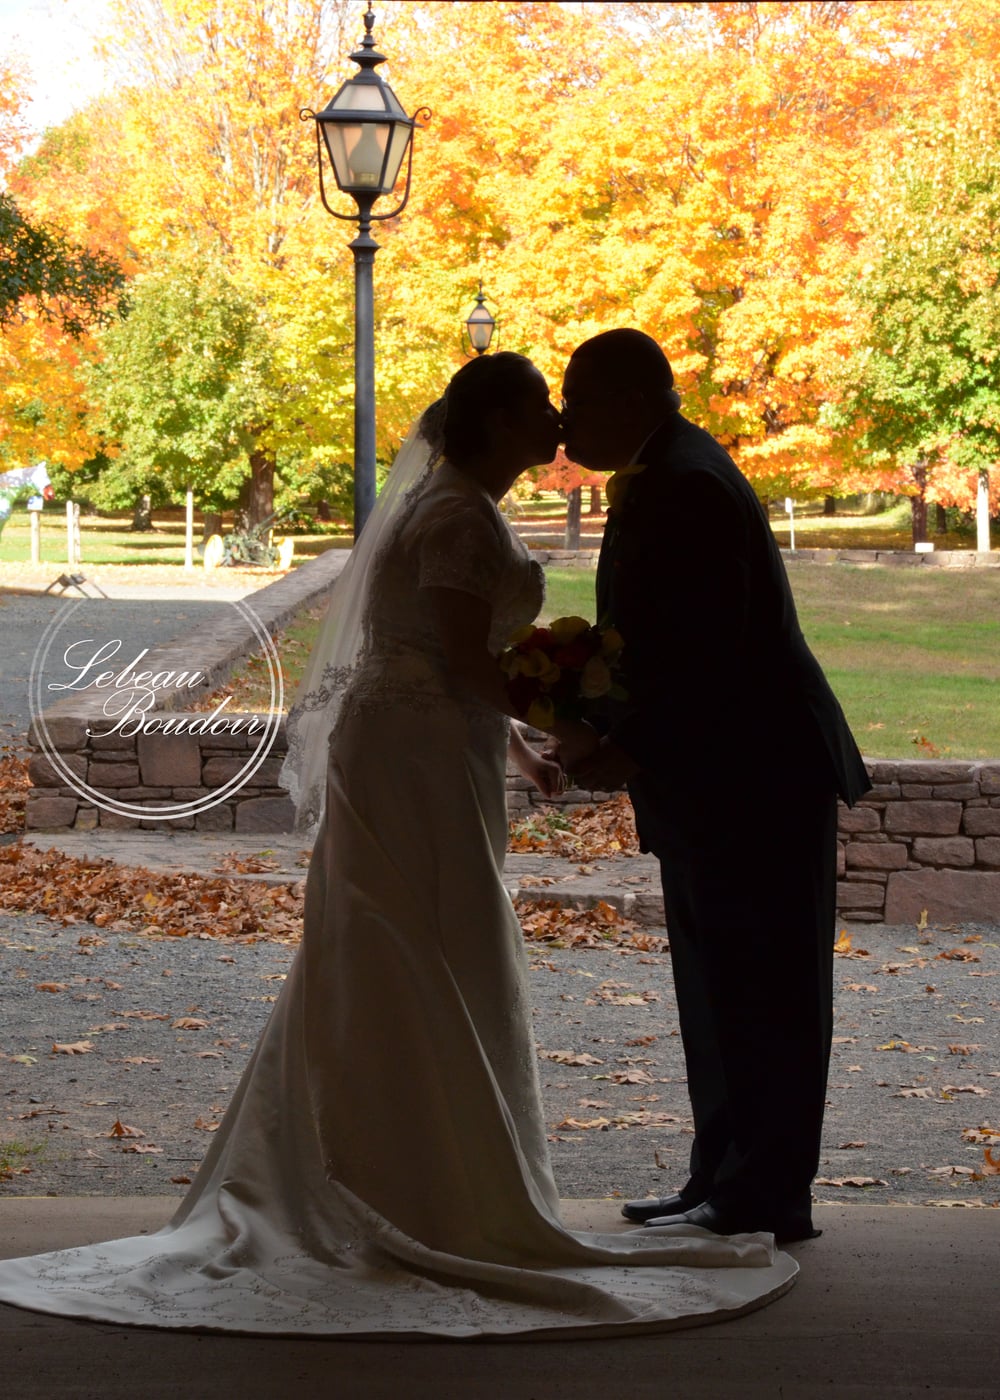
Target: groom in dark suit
734, 749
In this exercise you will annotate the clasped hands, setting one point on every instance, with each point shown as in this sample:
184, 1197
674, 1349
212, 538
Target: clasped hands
587, 759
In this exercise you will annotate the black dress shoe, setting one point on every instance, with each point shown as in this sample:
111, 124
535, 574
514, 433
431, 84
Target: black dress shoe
641, 1211
786, 1229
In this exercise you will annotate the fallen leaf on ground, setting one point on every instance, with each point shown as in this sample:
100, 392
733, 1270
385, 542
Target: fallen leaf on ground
124, 1130
76, 1047
850, 1181
188, 1023
141, 1147
984, 1133
570, 1057
962, 1089
847, 1146
51, 986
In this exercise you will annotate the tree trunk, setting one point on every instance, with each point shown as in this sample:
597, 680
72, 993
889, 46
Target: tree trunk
323, 511
918, 505
256, 499
596, 500
211, 525
983, 512
940, 519
142, 514
574, 500
830, 505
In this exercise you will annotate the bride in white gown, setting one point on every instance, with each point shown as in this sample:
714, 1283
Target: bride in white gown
382, 1169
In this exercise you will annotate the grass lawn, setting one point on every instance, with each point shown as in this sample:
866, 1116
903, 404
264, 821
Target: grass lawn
913, 655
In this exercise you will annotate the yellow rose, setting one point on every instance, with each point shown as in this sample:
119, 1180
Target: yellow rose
612, 642
521, 635
534, 663
567, 629
550, 675
541, 713
595, 679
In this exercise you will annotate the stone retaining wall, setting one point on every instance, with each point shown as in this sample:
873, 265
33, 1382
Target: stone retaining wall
157, 770
926, 837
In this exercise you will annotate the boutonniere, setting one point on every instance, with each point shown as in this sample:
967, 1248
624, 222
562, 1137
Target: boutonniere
616, 486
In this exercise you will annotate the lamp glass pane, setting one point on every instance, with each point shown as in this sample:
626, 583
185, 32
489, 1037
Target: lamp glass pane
401, 134
481, 325
361, 97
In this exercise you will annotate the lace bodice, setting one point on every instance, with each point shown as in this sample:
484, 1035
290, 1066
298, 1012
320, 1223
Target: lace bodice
452, 536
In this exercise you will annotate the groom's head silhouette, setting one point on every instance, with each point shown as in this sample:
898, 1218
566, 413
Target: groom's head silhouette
617, 389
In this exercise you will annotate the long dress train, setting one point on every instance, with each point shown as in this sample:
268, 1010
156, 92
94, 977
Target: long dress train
382, 1168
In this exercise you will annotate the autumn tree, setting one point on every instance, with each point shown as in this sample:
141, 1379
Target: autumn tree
922, 393
54, 289
58, 280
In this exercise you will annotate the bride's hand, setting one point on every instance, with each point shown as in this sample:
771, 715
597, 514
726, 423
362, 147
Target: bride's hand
546, 774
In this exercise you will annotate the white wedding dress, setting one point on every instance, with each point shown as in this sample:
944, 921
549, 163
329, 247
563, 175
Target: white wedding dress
382, 1169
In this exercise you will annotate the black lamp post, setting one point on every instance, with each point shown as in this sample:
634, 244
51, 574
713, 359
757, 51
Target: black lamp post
367, 135
480, 324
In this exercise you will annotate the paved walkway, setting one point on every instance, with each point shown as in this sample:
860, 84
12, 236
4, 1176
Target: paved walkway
890, 1304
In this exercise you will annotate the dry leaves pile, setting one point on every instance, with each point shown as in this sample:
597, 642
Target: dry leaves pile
601, 831
600, 926
14, 787
179, 904
123, 898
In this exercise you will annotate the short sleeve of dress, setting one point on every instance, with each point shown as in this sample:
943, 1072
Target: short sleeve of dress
461, 550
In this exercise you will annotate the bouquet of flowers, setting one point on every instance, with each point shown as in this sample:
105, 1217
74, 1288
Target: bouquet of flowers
567, 670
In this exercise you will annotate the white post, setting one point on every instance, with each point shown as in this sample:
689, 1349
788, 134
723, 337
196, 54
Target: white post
790, 508
36, 537
983, 512
70, 536
189, 529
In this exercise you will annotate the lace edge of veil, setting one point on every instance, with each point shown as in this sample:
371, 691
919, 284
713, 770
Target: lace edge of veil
343, 640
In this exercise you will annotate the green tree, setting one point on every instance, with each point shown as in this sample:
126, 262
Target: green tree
180, 387
922, 391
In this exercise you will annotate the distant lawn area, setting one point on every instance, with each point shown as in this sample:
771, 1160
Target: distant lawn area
108, 539
913, 655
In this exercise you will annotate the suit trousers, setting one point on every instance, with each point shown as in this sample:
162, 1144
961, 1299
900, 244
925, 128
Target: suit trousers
750, 901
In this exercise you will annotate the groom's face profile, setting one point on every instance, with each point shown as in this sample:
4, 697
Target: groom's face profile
596, 419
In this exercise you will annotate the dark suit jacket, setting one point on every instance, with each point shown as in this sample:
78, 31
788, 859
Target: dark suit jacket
724, 693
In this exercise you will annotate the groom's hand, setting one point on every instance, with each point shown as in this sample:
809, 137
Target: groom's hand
608, 768
573, 741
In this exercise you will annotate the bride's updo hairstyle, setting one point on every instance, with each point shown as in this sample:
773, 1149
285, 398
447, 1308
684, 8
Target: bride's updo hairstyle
476, 392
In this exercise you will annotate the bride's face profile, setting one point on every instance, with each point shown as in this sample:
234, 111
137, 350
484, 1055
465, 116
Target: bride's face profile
532, 421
